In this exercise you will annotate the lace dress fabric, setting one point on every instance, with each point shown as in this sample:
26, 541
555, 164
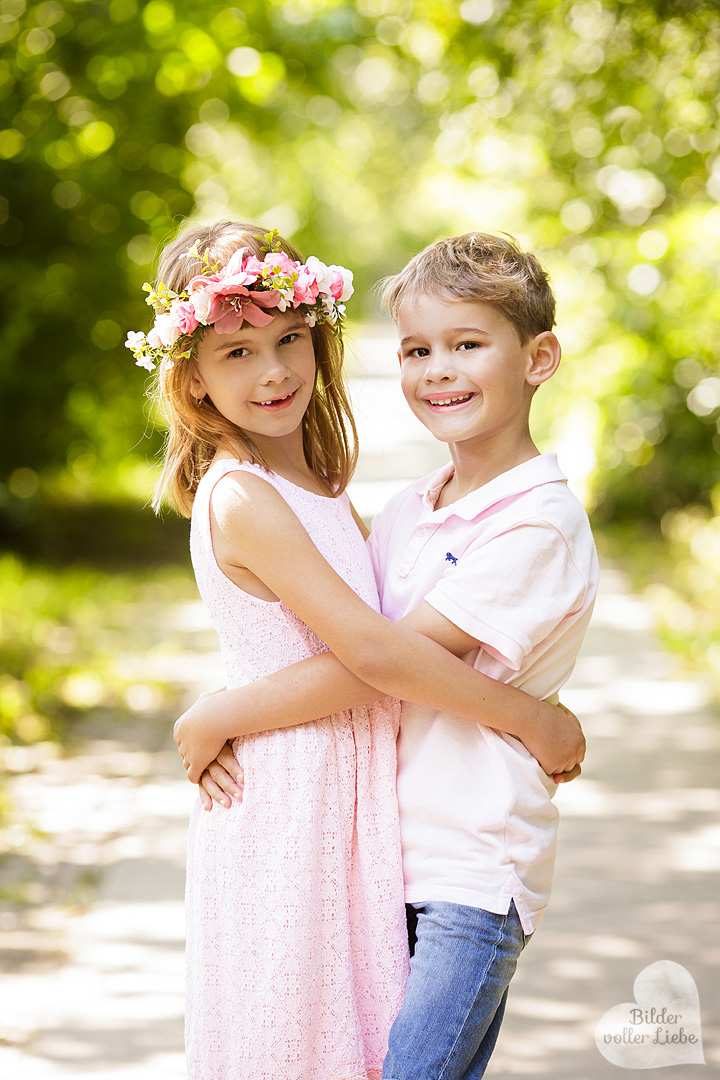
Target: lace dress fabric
296, 938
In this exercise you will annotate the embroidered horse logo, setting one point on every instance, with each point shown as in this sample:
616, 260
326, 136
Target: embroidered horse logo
451, 558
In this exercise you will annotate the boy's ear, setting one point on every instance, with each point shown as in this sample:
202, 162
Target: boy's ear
399, 356
544, 360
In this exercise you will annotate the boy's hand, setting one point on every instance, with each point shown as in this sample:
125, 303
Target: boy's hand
566, 777
557, 741
222, 781
197, 738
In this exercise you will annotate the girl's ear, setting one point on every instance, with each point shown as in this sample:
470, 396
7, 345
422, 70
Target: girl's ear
544, 358
197, 387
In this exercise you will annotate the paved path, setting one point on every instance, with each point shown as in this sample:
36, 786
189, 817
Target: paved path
93, 988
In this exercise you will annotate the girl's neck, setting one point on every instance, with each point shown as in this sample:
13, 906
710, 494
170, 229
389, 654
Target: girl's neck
285, 457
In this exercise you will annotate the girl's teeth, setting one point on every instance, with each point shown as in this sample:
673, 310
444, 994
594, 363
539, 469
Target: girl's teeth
453, 401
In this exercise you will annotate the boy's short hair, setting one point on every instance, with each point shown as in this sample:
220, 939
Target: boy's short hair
481, 267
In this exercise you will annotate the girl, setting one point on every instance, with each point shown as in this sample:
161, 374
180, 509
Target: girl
296, 935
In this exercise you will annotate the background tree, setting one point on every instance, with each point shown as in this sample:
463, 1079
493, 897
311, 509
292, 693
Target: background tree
366, 129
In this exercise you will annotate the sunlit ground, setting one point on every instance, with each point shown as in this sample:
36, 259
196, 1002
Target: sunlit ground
92, 922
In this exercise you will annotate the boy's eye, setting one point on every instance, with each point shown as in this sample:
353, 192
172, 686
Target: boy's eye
419, 352
466, 345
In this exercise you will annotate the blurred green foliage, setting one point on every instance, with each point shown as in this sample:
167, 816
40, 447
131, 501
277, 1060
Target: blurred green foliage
77, 640
364, 130
587, 128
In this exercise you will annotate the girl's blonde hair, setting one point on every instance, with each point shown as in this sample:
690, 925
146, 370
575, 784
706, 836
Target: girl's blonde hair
194, 431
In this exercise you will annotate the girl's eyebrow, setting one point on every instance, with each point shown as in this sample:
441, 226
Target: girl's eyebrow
234, 342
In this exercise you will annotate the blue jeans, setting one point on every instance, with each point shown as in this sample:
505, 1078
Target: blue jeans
462, 960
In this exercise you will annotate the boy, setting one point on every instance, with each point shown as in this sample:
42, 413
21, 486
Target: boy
492, 557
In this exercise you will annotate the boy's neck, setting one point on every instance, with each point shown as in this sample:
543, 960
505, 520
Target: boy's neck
475, 466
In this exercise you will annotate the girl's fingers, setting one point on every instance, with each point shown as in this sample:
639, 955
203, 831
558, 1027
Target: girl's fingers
229, 762
224, 781
210, 791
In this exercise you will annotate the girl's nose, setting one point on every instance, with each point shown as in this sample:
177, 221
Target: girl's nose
274, 368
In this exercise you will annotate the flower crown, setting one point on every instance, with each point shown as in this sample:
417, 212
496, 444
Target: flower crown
242, 291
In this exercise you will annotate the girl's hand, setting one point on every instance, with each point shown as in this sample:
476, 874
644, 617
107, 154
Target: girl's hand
222, 781
557, 741
197, 737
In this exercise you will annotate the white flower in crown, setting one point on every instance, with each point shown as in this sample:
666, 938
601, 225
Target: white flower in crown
134, 340
320, 272
165, 331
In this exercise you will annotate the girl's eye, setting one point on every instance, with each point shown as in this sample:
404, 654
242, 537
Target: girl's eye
239, 353
288, 339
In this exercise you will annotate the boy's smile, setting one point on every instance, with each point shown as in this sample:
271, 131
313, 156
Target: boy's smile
467, 376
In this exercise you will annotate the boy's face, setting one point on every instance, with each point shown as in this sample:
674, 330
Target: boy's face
464, 372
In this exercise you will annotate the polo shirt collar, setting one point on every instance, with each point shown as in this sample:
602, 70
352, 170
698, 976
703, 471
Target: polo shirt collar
543, 469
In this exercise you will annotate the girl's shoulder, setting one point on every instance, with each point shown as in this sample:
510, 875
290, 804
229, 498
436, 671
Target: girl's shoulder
241, 488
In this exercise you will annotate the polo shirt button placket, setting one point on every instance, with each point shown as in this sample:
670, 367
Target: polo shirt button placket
420, 535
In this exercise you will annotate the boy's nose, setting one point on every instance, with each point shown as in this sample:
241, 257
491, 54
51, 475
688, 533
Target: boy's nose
438, 368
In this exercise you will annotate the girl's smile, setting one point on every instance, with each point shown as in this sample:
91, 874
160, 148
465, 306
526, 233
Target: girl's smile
277, 404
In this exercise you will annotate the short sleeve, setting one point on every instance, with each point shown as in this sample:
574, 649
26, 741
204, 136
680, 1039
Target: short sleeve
512, 591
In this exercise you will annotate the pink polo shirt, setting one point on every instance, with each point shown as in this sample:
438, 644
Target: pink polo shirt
514, 565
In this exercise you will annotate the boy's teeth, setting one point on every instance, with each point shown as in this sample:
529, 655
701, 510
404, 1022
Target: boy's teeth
451, 400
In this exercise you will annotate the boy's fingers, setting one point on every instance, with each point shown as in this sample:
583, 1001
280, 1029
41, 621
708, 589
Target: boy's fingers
568, 775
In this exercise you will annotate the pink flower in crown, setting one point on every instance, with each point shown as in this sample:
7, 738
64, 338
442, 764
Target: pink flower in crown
204, 300
237, 309
184, 314
341, 286
165, 331
281, 261
253, 265
306, 287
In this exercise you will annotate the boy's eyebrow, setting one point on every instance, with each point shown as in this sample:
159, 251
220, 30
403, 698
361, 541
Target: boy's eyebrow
453, 330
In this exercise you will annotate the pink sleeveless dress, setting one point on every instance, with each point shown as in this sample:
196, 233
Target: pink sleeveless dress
296, 938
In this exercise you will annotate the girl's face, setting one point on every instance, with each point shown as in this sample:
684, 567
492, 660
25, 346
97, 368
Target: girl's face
259, 378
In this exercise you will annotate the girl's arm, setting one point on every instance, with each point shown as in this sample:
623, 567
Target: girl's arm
255, 530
